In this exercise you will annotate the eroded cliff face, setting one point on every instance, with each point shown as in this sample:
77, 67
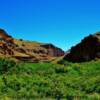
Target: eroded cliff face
53, 50
6, 43
5, 37
88, 49
27, 50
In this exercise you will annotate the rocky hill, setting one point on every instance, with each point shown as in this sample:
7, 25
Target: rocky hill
27, 50
88, 49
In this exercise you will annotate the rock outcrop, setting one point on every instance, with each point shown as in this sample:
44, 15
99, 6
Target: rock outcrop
88, 49
5, 37
27, 50
53, 50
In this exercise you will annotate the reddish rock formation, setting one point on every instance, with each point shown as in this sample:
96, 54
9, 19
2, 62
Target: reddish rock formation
87, 50
53, 51
27, 50
5, 37
4, 49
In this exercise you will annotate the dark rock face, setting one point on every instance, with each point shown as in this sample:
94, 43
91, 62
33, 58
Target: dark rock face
20, 50
87, 50
5, 50
53, 51
5, 37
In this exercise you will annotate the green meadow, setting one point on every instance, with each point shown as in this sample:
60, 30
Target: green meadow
49, 81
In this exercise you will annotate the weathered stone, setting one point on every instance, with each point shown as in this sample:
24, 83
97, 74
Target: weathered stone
88, 49
53, 50
26, 50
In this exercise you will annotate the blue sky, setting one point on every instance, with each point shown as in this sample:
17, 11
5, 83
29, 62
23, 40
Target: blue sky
61, 22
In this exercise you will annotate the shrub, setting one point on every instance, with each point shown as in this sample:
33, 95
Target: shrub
21, 39
6, 65
61, 69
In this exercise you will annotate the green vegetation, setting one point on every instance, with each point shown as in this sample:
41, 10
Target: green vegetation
33, 81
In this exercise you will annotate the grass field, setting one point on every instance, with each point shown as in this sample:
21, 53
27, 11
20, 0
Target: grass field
49, 81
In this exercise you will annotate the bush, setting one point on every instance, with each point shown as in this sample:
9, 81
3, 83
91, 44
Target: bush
6, 65
21, 39
61, 69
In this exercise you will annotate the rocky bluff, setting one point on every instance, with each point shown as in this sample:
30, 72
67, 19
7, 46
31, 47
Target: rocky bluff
27, 50
88, 49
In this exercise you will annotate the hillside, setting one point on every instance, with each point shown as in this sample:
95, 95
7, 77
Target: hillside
49, 81
26, 50
88, 49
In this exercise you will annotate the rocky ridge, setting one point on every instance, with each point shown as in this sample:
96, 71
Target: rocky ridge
88, 49
27, 50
